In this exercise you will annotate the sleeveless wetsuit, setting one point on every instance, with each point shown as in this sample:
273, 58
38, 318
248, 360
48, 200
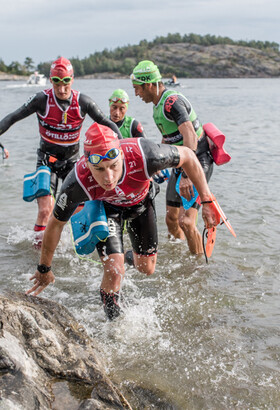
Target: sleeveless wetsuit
172, 110
168, 123
131, 128
61, 126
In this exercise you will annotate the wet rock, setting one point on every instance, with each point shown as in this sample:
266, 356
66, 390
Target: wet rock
148, 397
41, 343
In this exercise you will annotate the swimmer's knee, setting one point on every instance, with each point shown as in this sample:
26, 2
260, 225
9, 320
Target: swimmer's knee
146, 264
187, 223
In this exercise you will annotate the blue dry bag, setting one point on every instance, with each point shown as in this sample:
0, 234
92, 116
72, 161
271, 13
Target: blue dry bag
37, 184
186, 204
89, 226
162, 176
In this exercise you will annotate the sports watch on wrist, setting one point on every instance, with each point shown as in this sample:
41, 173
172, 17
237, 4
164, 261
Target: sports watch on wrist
43, 268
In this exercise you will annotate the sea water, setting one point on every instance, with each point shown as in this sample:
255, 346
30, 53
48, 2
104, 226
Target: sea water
193, 335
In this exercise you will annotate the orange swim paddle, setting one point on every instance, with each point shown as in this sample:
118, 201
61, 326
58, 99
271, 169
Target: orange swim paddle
222, 215
211, 238
211, 232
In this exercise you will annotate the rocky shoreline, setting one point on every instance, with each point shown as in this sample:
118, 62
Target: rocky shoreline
42, 346
48, 361
218, 61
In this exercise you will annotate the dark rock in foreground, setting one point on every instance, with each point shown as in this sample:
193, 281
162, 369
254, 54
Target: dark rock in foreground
41, 344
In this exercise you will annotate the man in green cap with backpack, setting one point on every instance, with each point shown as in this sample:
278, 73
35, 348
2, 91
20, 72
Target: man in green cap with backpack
179, 125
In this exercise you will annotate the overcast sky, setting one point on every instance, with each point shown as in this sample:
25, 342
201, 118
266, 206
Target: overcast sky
45, 29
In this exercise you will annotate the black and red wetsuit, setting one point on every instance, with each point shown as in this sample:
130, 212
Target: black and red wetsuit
131, 200
60, 123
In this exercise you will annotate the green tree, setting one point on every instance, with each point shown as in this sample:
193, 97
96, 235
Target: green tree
3, 66
174, 38
29, 64
44, 68
78, 67
15, 68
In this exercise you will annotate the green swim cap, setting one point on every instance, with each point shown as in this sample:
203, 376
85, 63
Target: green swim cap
120, 96
145, 72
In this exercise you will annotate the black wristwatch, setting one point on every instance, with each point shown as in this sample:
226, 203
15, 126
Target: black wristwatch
43, 268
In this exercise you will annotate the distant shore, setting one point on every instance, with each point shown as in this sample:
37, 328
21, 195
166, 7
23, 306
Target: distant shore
115, 76
12, 77
106, 75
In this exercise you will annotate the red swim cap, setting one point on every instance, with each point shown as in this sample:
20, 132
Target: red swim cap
100, 139
61, 68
